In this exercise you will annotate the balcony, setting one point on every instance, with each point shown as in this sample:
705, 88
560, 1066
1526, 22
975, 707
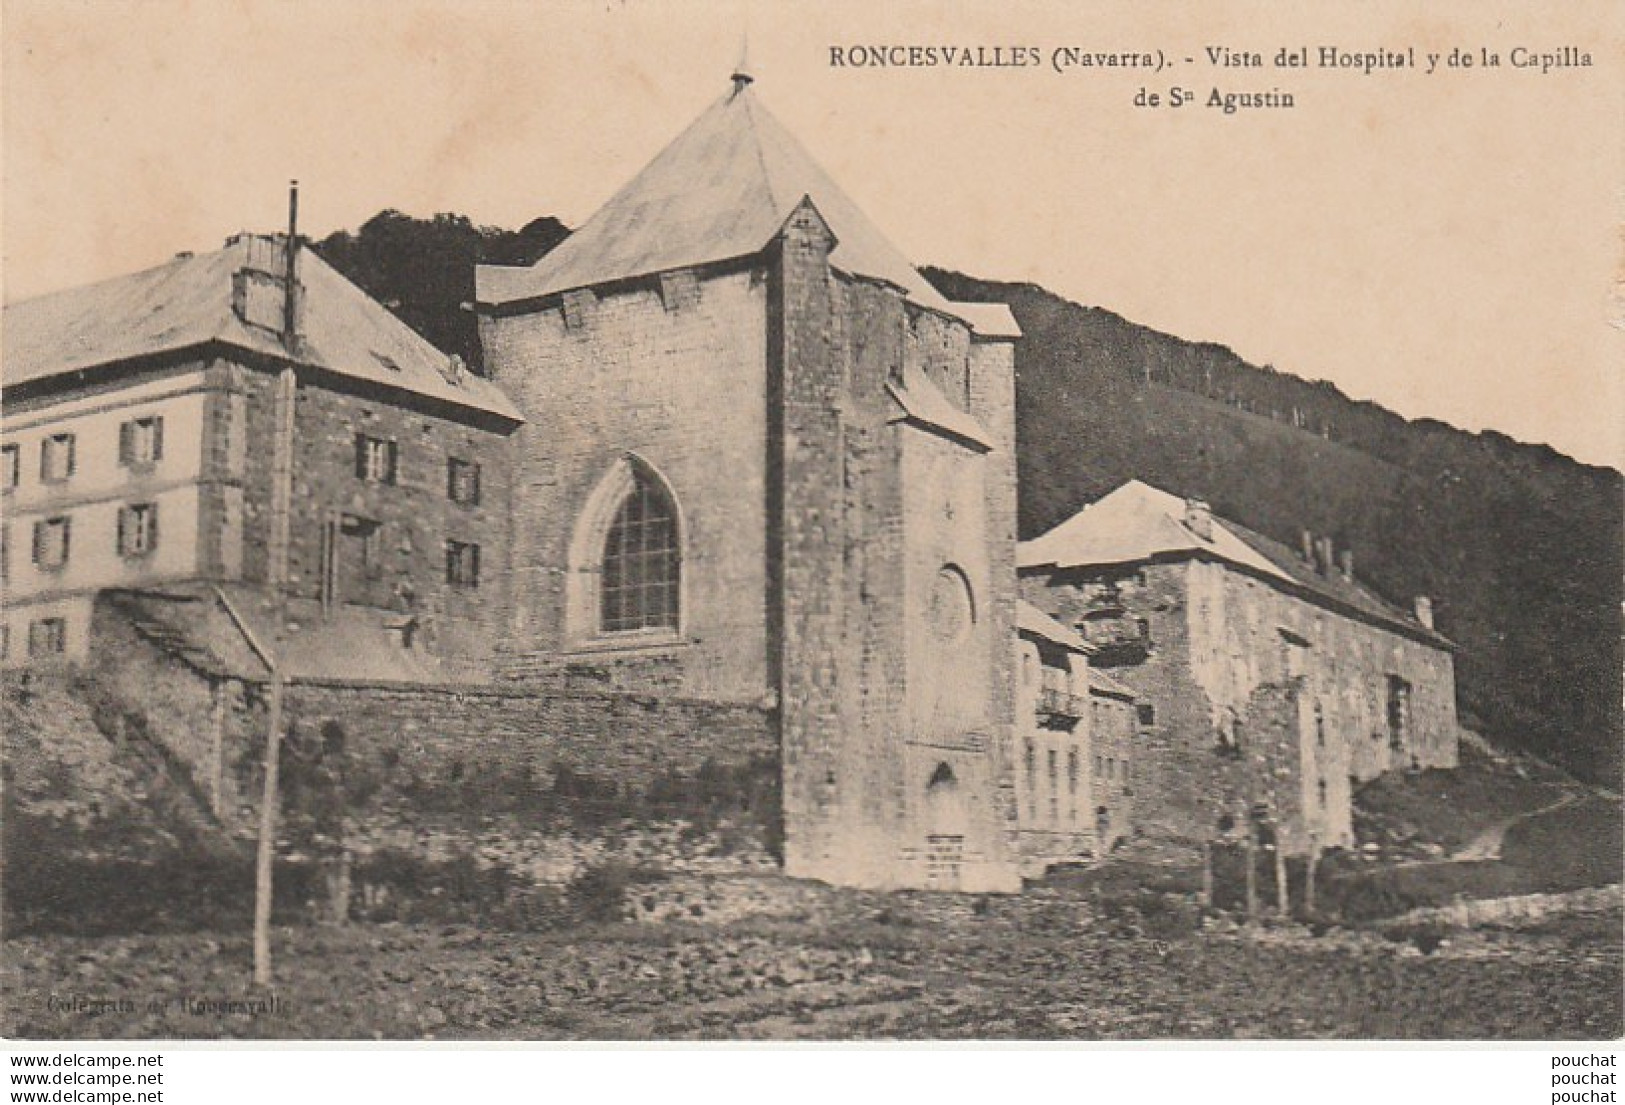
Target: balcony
1056, 700
1118, 638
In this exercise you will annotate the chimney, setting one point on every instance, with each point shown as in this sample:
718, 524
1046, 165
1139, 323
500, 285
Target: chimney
1323, 556
1307, 546
1199, 519
1424, 611
292, 293
1345, 564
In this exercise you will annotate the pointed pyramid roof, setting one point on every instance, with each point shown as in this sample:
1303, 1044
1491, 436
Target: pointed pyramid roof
721, 190
1133, 523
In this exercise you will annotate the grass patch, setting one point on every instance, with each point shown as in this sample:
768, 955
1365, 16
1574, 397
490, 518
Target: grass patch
1576, 846
1449, 806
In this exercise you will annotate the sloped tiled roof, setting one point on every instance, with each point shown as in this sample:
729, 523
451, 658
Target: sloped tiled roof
188, 302
920, 401
1101, 683
1030, 619
221, 628
1334, 586
1133, 523
721, 190
1138, 522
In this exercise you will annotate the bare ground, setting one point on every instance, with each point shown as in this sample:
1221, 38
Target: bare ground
1045, 966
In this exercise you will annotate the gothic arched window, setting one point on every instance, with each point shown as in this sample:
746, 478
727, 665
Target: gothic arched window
639, 582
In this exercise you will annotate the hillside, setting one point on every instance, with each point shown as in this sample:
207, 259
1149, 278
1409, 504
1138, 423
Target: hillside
1520, 547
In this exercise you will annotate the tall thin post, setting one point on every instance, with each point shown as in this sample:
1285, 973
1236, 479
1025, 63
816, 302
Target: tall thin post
1252, 868
1309, 875
1282, 904
267, 842
276, 579
218, 690
1207, 874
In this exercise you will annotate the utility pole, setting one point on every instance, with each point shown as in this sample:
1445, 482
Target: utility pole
277, 574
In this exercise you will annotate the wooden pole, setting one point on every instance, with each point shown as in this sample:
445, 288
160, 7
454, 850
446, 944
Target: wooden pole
277, 575
1309, 875
1252, 869
267, 842
219, 690
1282, 905
1207, 874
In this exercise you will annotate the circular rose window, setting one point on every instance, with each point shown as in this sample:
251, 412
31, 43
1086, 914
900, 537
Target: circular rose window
953, 610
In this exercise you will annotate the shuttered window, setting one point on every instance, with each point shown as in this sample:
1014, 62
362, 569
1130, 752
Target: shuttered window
462, 481
375, 459
462, 564
51, 543
56, 462
47, 637
141, 441
138, 529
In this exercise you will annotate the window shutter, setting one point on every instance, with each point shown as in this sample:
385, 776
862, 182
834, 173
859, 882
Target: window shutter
71, 442
39, 542
390, 476
360, 456
157, 438
474, 482
451, 480
474, 565
152, 527
67, 528
126, 442
125, 517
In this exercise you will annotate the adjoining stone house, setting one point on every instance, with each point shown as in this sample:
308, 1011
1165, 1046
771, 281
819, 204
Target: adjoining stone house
148, 417
766, 461
1271, 681
1074, 746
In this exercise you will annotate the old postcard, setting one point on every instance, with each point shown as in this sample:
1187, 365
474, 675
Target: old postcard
555, 521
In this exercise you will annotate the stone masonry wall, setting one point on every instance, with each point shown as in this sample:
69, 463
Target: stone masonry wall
438, 736
1115, 746
889, 774
418, 738
415, 514
1246, 714
681, 385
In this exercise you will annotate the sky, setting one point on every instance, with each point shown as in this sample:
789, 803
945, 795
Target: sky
1446, 243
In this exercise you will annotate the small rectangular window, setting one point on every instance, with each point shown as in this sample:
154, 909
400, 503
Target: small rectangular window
1072, 784
463, 481
1148, 714
137, 529
51, 543
141, 441
1053, 761
1031, 759
368, 536
462, 564
48, 637
56, 462
375, 459
11, 466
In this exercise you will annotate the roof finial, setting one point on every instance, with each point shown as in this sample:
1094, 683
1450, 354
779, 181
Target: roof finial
741, 74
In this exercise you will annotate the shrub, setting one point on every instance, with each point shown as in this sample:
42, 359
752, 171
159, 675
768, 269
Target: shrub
400, 886
602, 892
